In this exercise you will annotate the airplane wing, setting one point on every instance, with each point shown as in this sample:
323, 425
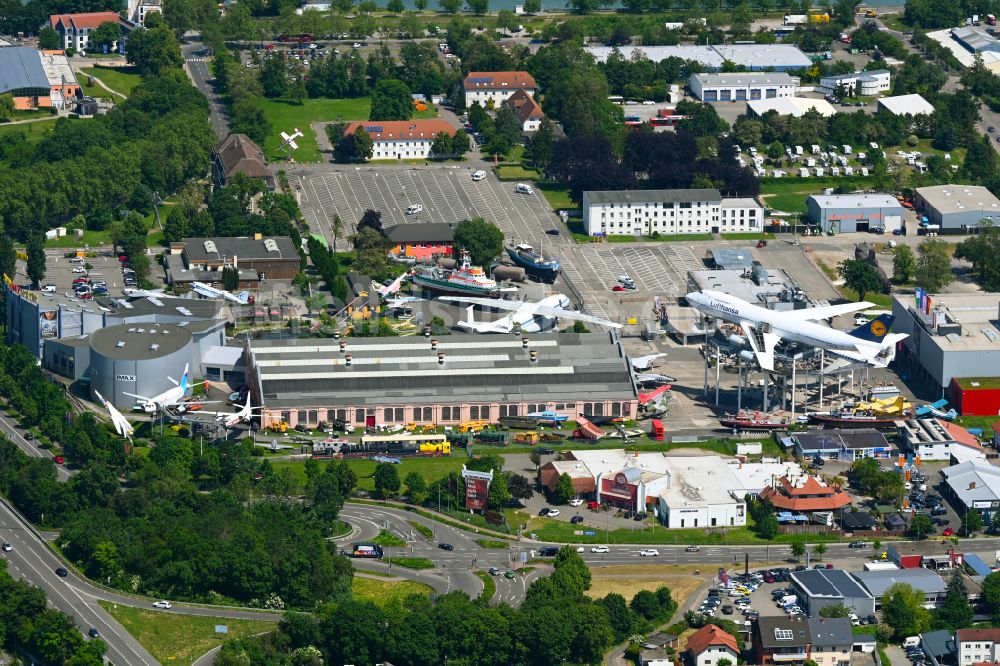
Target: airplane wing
574, 315
645, 362
763, 348
497, 303
827, 311
141, 397
392, 287
531, 308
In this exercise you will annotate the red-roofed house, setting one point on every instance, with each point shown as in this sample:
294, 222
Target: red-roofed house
402, 139
805, 494
978, 646
710, 644
526, 109
496, 87
75, 29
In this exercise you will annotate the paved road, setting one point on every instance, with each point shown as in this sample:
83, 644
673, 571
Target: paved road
9, 428
196, 66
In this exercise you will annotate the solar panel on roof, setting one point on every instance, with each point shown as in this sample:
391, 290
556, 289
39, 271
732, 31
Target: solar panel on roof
481, 79
375, 128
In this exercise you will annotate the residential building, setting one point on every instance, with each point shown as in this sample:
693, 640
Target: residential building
710, 644
953, 345
937, 439
752, 57
863, 84
925, 581
461, 377
645, 212
790, 106
818, 588
423, 241
940, 648
805, 494
402, 139
491, 89
846, 213
743, 86
780, 640
831, 641
237, 153
975, 486
257, 259
75, 29
906, 105
527, 110
137, 10
842, 445
923, 554
978, 646
956, 208
655, 658
37, 79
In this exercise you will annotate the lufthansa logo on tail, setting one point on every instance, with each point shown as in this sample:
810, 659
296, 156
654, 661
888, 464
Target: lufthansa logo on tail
877, 328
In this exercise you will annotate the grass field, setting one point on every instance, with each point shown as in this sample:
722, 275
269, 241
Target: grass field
384, 592
627, 580
412, 562
119, 79
180, 639
286, 115
556, 194
33, 132
432, 468
495, 545
423, 529
790, 194
516, 172
93, 238
749, 236
386, 538
489, 585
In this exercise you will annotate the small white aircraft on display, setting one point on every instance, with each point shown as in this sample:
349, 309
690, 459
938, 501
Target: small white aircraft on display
172, 397
122, 426
209, 291
530, 317
654, 378
288, 142
229, 419
870, 343
143, 293
640, 363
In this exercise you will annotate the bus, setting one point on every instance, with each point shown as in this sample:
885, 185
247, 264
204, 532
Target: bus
366, 551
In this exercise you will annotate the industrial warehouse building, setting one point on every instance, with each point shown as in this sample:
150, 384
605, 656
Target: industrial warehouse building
864, 84
906, 105
752, 57
681, 491
818, 588
956, 208
644, 212
842, 445
975, 39
953, 342
258, 258
459, 378
742, 87
844, 213
876, 583
975, 485
790, 106
402, 139
37, 79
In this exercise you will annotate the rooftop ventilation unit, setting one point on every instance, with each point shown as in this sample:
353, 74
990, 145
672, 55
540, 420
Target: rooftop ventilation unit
120, 344
210, 247
270, 245
154, 347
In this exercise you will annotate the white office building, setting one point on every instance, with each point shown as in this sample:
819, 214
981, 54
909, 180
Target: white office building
645, 212
402, 139
491, 89
865, 84
742, 86
977, 646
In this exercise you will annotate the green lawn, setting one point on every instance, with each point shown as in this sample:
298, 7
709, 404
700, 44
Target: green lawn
286, 115
790, 194
516, 172
95, 91
33, 132
749, 236
431, 468
384, 593
556, 194
412, 562
494, 545
489, 585
180, 639
119, 79
386, 538
93, 238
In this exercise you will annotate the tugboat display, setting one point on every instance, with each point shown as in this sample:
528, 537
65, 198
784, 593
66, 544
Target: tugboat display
465, 279
533, 263
747, 420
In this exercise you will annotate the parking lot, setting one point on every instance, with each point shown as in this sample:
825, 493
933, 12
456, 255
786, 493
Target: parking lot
59, 272
447, 194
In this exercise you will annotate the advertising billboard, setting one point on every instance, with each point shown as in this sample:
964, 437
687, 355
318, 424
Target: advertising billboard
48, 323
477, 488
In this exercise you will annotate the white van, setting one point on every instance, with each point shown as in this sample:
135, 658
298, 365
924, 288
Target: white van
478, 175
414, 209
911, 641
524, 188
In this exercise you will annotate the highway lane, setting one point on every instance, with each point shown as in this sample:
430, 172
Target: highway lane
16, 434
196, 65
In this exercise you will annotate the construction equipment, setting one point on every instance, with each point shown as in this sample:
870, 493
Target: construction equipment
526, 438
278, 426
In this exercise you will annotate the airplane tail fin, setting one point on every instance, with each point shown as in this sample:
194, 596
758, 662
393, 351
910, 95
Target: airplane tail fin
185, 382
875, 330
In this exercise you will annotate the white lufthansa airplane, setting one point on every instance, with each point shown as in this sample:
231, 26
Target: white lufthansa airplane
172, 397
530, 317
208, 291
870, 343
122, 426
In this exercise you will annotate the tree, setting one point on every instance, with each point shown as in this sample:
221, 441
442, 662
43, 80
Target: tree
990, 595
933, 271
450, 6
536, 459
416, 487
835, 610
798, 548
956, 611
6, 107
921, 526
230, 278
482, 239
972, 522
246, 117
8, 256
395, 6
519, 487
903, 264
391, 100
478, 7
386, 480
564, 489
36, 259
105, 35
539, 148
902, 610
48, 39
153, 51
441, 147
532, 6
273, 78
818, 550
859, 276
420, 5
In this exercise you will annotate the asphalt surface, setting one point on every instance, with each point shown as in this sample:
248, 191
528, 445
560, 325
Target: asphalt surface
196, 66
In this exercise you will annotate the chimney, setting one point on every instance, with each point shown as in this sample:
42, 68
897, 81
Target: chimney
343, 346
347, 360
524, 342
440, 358
972, 485
434, 344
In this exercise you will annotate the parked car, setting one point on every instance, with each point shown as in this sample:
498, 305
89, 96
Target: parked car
593, 506
478, 175
544, 511
576, 520
649, 552
79, 269
49, 288
553, 513
7, 547
576, 502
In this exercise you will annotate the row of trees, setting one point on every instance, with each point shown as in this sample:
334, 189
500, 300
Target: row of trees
557, 623
930, 268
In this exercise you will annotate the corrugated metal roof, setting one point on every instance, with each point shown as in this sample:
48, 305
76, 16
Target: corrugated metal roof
21, 67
